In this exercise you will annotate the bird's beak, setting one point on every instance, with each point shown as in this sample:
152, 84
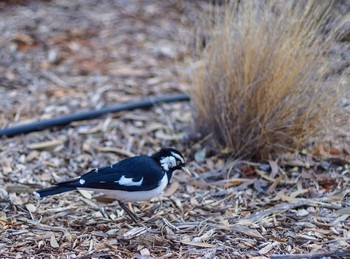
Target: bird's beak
186, 170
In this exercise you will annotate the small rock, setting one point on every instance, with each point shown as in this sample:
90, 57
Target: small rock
302, 213
53, 241
145, 252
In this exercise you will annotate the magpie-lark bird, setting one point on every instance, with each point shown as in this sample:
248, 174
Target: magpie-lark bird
136, 178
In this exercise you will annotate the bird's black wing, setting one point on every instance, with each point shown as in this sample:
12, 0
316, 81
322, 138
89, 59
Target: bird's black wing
139, 173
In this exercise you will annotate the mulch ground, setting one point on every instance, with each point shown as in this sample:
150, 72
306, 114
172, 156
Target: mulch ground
59, 57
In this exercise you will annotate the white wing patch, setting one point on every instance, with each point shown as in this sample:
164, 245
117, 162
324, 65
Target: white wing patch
81, 181
178, 157
133, 196
168, 162
128, 181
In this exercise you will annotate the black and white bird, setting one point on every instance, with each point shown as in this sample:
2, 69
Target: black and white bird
136, 178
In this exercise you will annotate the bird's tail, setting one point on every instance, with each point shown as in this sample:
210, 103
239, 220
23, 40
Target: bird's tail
53, 190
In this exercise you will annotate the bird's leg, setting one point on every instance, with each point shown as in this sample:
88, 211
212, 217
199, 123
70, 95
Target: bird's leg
129, 212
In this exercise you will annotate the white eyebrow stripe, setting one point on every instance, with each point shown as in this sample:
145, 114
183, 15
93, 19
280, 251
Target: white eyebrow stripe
128, 181
178, 157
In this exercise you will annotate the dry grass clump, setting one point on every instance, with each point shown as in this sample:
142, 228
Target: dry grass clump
260, 84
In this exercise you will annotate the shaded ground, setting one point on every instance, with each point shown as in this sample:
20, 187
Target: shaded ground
59, 57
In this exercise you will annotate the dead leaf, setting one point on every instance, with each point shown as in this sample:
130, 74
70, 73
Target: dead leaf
24, 41
328, 183
248, 170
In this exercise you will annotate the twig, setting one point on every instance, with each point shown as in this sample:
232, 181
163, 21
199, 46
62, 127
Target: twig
47, 227
260, 215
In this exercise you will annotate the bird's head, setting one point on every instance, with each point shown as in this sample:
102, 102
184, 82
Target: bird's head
170, 159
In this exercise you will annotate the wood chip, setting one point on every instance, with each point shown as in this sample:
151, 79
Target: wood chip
199, 244
274, 168
205, 237
86, 194
339, 220
145, 252
302, 213
46, 145
247, 231
53, 242
135, 232
89, 202
267, 248
31, 207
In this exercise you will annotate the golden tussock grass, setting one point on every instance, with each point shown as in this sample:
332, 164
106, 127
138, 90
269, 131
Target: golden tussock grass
259, 85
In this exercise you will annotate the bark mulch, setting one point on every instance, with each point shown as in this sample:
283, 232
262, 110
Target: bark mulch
59, 57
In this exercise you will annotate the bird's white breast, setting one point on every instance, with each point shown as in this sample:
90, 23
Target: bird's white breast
136, 195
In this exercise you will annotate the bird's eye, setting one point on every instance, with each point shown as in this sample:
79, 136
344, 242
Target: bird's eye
178, 162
